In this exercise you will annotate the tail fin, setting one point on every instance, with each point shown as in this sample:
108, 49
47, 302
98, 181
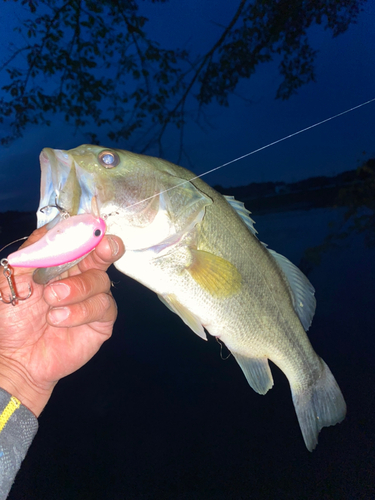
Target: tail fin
318, 406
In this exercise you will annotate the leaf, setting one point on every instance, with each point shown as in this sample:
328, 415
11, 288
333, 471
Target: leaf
98, 57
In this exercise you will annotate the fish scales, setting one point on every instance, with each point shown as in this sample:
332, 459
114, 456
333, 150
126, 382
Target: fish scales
198, 250
223, 233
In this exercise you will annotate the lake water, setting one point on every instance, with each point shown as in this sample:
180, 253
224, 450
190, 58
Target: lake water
157, 414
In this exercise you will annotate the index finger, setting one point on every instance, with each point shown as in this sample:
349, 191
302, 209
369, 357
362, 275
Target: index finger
110, 249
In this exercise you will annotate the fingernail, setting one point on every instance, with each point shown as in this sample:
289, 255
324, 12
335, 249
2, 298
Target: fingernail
60, 290
59, 314
114, 246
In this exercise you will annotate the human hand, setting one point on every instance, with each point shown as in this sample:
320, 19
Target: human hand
59, 328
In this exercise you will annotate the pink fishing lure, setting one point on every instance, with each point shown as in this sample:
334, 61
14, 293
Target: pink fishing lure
69, 240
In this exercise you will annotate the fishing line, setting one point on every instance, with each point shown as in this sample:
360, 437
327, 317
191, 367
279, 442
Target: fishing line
257, 150
15, 241
221, 350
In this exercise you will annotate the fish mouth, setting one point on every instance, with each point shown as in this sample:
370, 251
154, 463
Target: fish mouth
65, 184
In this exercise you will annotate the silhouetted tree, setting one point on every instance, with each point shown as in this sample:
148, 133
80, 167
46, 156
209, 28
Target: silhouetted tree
94, 63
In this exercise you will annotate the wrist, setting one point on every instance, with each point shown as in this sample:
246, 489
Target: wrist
15, 380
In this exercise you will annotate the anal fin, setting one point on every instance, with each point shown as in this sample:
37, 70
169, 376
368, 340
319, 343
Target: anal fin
256, 371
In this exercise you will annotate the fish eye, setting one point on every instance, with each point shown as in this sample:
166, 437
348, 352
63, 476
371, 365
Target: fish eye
97, 232
108, 159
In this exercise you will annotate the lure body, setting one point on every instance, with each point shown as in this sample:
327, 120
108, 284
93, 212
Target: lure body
69, 240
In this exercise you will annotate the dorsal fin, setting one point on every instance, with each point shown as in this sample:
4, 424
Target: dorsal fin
304, 302
243, 212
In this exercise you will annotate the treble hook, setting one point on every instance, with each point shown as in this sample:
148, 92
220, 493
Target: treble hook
64, 213
14, 298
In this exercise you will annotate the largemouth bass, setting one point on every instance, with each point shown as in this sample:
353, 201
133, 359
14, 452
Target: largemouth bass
198, 250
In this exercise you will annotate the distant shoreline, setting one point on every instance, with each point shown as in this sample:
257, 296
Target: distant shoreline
260, 198
315, 192
285, 202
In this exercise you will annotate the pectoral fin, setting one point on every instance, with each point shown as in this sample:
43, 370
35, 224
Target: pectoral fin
187, 317
257, 372
214, 274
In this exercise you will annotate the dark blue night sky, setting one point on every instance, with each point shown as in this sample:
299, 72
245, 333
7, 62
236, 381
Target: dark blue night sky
157, 414
345, 69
